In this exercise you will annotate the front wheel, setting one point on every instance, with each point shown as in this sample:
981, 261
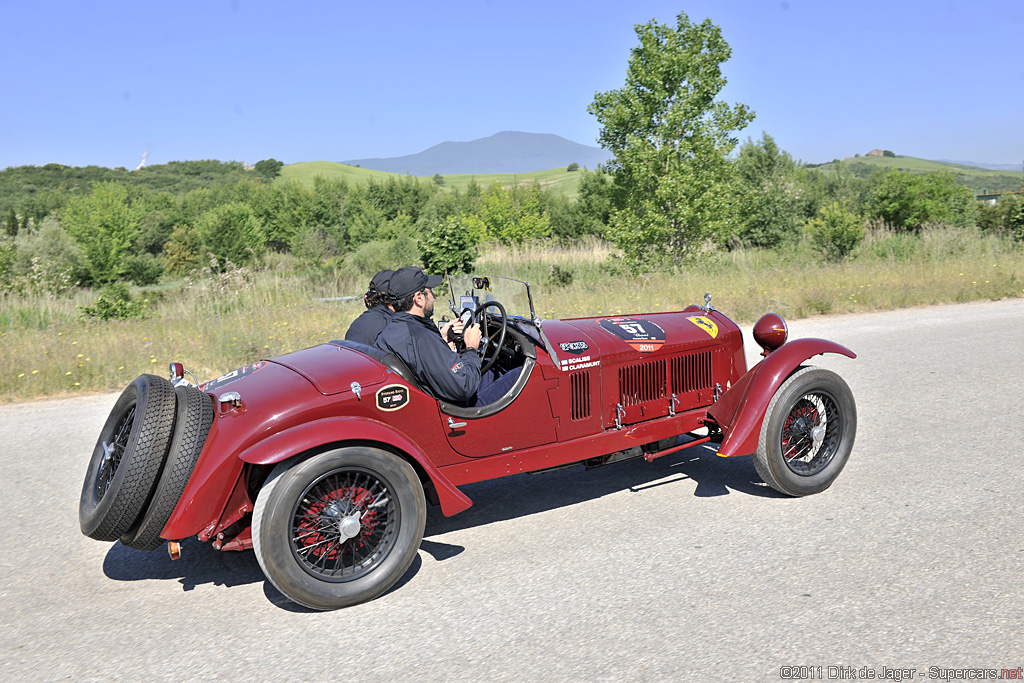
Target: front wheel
339, 528
807, 433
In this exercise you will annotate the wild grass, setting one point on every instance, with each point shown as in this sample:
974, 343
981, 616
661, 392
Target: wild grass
216, 322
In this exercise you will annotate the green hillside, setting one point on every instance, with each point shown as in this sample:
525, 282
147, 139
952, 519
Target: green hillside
970, 176
555, 179
305, 171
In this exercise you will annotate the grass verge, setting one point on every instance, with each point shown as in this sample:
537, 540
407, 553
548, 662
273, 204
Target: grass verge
219, 322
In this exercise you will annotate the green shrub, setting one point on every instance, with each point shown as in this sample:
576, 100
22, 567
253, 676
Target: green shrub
7, 256
560, 277
836, 231
378, 255
116, 303
1013, 216
315, 245
232, 232
572, 167
448, 248
143, 269
51, 247
181, 253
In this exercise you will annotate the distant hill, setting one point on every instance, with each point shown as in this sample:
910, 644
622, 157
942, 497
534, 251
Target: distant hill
991, 167
506, 152
974, 177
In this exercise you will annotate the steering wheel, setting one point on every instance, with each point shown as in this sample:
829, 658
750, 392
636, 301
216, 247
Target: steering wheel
480, 316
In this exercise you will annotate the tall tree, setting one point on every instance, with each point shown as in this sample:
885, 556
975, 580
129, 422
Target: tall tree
671, 140
105, 224
766, 192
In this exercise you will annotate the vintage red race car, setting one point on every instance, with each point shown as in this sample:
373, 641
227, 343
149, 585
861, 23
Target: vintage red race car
323, 460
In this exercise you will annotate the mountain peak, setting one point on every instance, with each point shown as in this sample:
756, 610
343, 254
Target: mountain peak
504, 152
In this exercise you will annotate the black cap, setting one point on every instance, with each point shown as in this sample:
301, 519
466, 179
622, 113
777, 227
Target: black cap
379, 283
409, 280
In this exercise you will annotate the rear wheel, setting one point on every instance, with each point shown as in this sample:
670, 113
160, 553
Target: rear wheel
127, 458
807, 433
339, 528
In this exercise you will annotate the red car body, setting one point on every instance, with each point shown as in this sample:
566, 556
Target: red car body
305, 400
347, 427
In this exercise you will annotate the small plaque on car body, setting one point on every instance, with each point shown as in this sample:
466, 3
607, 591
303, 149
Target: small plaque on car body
392, 397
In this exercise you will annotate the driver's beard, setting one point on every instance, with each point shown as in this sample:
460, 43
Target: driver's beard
428, 310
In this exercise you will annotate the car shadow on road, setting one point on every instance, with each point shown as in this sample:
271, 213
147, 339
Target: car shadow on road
527, 494
493, 501
200, 564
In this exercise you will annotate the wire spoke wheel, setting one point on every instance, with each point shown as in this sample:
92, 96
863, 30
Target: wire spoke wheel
810, 433
112, 455
344, 524
807, 433
338, 528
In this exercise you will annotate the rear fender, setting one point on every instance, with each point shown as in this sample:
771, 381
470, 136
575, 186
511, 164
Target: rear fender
741, 410
304, 437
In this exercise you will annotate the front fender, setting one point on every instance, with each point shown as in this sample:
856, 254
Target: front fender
301, 438
741, 414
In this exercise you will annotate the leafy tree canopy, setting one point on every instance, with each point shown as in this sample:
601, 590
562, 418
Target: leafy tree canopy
671, 140
105, 224
768, 200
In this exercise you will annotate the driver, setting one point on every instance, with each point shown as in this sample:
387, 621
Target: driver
411, 335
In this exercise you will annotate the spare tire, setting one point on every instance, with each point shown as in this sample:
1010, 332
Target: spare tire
194, 417
127, 458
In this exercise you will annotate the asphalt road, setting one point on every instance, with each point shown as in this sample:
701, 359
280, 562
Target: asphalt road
685, 569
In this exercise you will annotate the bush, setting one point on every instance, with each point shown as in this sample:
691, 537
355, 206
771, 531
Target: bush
378, 255
572, 167
448, 248
48, 260
1010, 212
181, 253
909, 201
315, 245
116, 303
231, 232
7, 256
143, 269
560, 277
836, 231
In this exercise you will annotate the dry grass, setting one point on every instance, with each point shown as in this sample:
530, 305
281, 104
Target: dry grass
219, 323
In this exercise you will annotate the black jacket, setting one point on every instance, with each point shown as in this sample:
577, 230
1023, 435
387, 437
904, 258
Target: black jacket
368, 325
440, 371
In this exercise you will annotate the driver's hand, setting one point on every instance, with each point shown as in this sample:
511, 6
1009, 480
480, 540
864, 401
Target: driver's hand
471, 335
450, 332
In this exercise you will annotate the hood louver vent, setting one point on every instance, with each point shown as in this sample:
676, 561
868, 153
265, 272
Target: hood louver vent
691, 372
642, 382
579, 382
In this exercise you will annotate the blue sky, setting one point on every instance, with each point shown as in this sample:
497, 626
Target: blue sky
104, 82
